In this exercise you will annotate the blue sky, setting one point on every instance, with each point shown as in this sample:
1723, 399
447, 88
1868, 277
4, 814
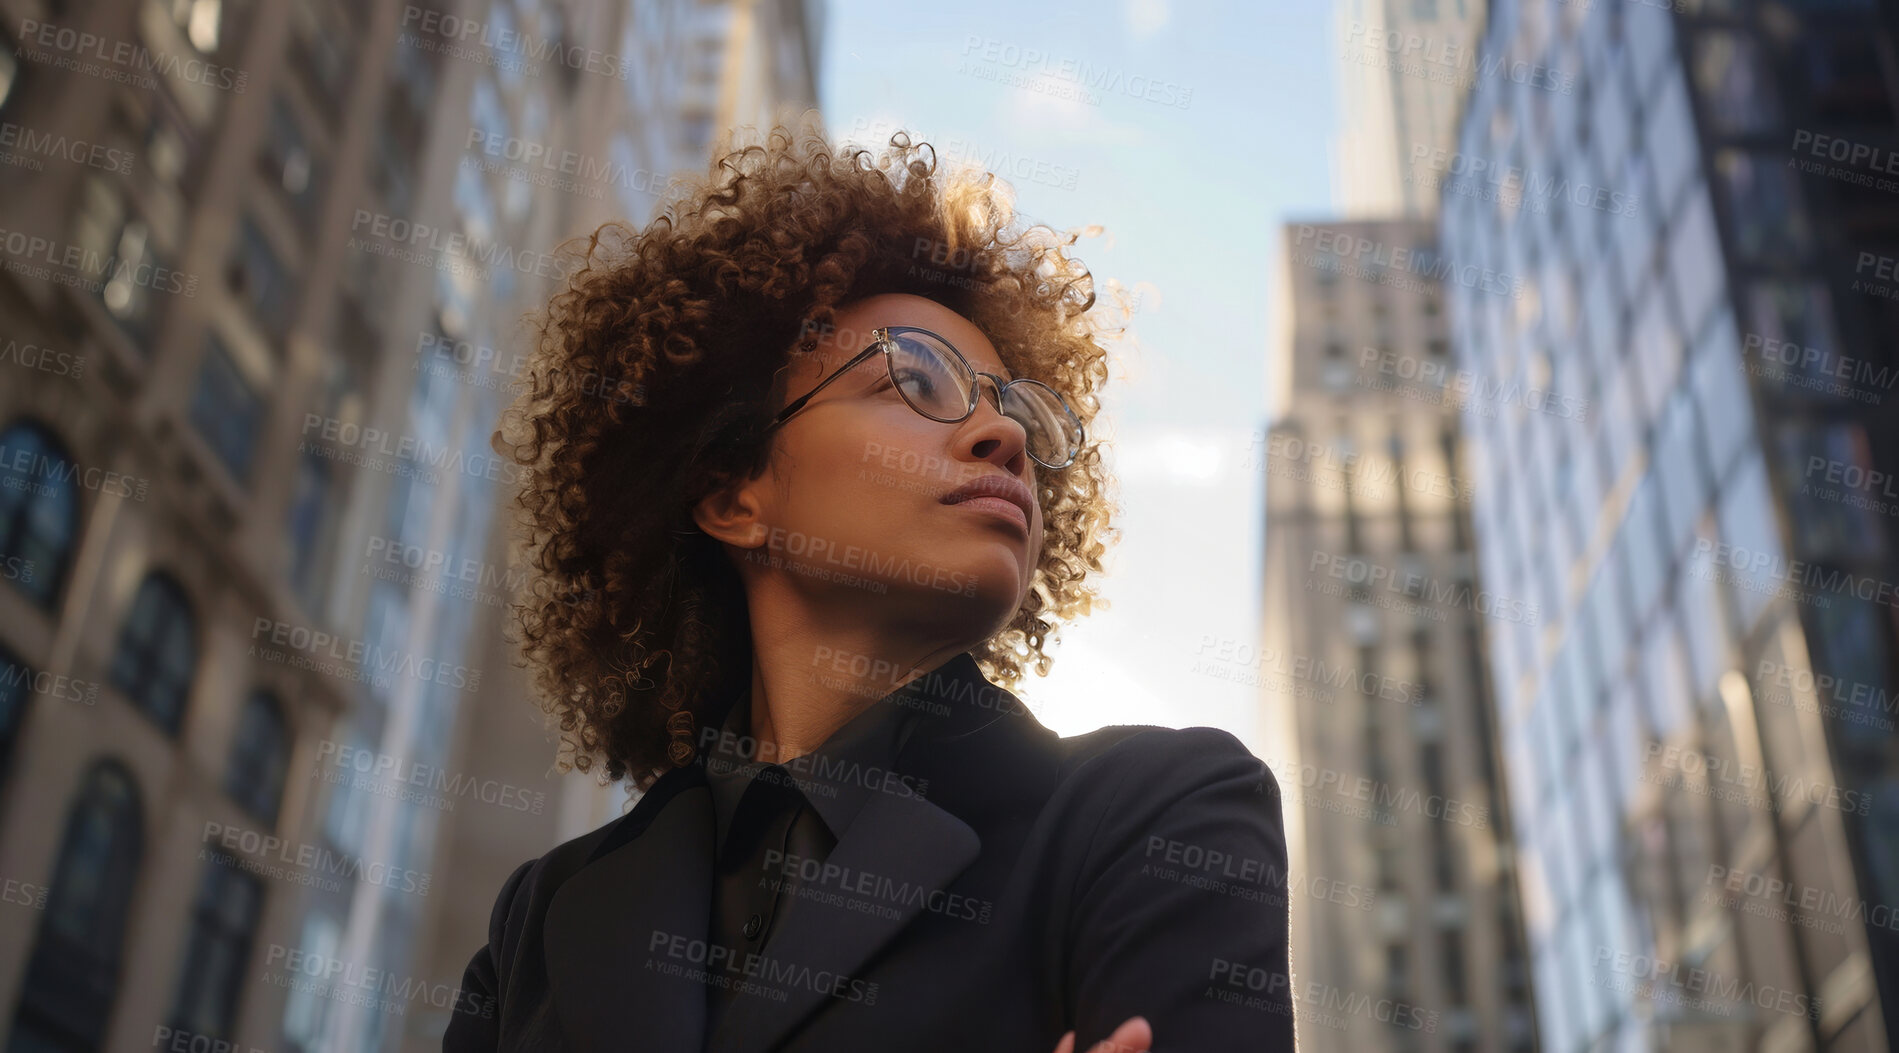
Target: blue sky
1190, 198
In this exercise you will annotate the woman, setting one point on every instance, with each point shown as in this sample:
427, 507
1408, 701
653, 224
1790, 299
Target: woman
808, 467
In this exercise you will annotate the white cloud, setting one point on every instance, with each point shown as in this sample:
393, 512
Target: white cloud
1146, 17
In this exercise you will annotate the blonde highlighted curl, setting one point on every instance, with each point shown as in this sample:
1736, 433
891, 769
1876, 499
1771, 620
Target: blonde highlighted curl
657, 368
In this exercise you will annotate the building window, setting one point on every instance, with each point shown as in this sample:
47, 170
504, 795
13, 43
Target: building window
200, 21
1768, 220
9, 72
260, 756
226, 410
323, 46
39, 511
308, 514
1453, 948
1732, 78
73, 976
306, 1023
223, 922
169, 153
111, 233
157, 653
16, 684
392, 168
287, 162
257, 275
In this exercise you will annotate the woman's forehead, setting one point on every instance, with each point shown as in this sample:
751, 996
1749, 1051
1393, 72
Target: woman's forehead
853, 327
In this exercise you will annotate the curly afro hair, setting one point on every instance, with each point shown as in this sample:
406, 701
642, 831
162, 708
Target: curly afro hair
657, 367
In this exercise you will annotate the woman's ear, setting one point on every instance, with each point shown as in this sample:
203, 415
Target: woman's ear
732, 513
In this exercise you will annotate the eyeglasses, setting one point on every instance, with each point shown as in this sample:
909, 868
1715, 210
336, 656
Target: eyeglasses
939, 383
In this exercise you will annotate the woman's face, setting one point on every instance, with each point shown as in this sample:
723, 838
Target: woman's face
853, 507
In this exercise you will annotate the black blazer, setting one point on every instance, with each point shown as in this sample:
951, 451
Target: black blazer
1009, 886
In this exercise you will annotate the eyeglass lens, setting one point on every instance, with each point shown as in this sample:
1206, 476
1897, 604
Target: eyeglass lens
938, 384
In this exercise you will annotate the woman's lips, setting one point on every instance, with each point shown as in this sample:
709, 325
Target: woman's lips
996, 507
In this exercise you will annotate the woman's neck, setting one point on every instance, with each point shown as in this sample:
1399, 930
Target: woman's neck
809, 681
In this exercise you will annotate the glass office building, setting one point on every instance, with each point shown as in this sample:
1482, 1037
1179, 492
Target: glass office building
1699, 736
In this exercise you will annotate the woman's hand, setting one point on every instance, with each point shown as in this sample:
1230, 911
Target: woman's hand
1133, 1036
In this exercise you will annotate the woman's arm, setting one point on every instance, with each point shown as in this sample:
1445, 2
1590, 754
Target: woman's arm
1181, 914
475, 1024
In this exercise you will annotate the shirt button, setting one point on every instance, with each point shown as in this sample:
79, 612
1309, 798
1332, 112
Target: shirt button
752, 925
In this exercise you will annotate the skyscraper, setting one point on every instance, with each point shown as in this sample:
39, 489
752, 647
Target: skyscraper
1699, 735
1371, 663
261, 267
1404, 69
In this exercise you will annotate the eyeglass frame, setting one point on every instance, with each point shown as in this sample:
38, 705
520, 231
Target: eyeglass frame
882, 342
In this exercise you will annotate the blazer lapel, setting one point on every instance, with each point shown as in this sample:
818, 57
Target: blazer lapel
611, 924
899, 838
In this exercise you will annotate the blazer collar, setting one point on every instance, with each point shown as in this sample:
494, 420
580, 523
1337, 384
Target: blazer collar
637, 912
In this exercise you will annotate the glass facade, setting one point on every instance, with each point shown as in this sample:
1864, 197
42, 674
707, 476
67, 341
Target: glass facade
1697, 827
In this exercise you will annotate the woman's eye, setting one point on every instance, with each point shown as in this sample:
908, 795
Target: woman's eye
916, 382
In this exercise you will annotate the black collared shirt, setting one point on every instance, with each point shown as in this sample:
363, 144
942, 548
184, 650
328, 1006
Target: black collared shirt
773, 817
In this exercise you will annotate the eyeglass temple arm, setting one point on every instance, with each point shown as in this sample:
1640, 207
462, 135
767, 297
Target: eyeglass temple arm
798, 403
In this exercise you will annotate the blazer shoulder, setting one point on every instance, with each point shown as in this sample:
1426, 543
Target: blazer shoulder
1164, 762
536, 879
